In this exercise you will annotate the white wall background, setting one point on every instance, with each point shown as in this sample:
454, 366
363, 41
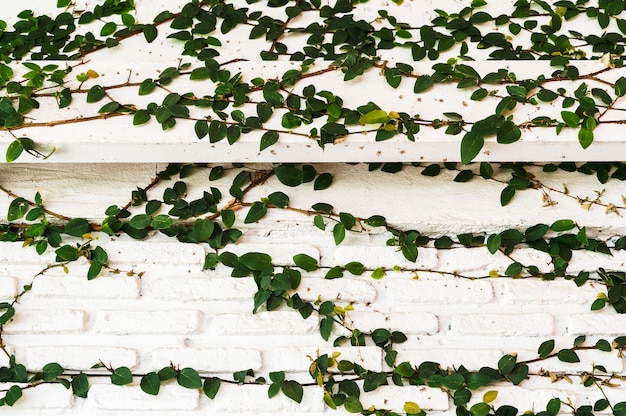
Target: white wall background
177, 312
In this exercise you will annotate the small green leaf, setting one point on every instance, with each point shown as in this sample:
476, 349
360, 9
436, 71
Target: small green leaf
77, 227
268, 139
289, 175
353, 405
323, 181
507, 363
568, 356
67, 253
14, 150
585, 137
95, 94
570, 119
211, 386
189, 378
305, 262
17, 209
51, 371
80, 385
121, 376
546, 348
423, 83
150, 383
471, 145
256, 261
374, 117
13, 395
256, 212
141, 117
292, 389
339, 233
562, 225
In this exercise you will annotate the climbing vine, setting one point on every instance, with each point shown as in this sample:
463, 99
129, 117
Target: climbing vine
337, 40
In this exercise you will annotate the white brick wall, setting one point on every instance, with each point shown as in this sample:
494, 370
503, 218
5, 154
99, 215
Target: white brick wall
175, 312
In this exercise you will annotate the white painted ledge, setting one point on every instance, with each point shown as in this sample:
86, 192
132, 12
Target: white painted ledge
117, 140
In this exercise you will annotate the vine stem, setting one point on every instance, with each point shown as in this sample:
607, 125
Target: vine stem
32, 204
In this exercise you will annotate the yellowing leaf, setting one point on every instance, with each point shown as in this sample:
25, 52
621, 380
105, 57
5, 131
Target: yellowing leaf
493, 273
92, 74
490, 396
412, 408
374, 117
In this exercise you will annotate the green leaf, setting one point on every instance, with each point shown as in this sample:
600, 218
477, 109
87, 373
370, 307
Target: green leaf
507, 195
323, 181
562, 225
67, 253
422, 83
109, 107
51, 371
585, 137
256, 212
211, 386
603, 345
554, 406
292, 389
140, 221
80, 385
150, 33
620, 87
150, 383
108, 29
305, 262
256, 261
77, 227
619, 409
568, 356
17, 209
339, 233
536, 232
353, 405
289, 175
13, 395
374, 117
480, 409
519, 374
268, 139
513, 270
141, 117
570, 119
279, 199
471, 145
546, 348
121, 376
189, 378
228, 218
95, 94
14, 150
507, 363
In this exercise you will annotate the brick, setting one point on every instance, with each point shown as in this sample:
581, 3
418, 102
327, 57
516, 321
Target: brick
530, 324
79, 358
535, 291
263, 323
383, 256
407, 322
524, 399
214, 360
135, 254
237, 399
281, 254
53, 397
298, 359
344, 290
147, 322
588, 359
198, 289
477, 262
439, 291
17, 254
8, 288
605, 323
47, 321
170, 397
394, 397
589, 260
473, 360
74, 285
